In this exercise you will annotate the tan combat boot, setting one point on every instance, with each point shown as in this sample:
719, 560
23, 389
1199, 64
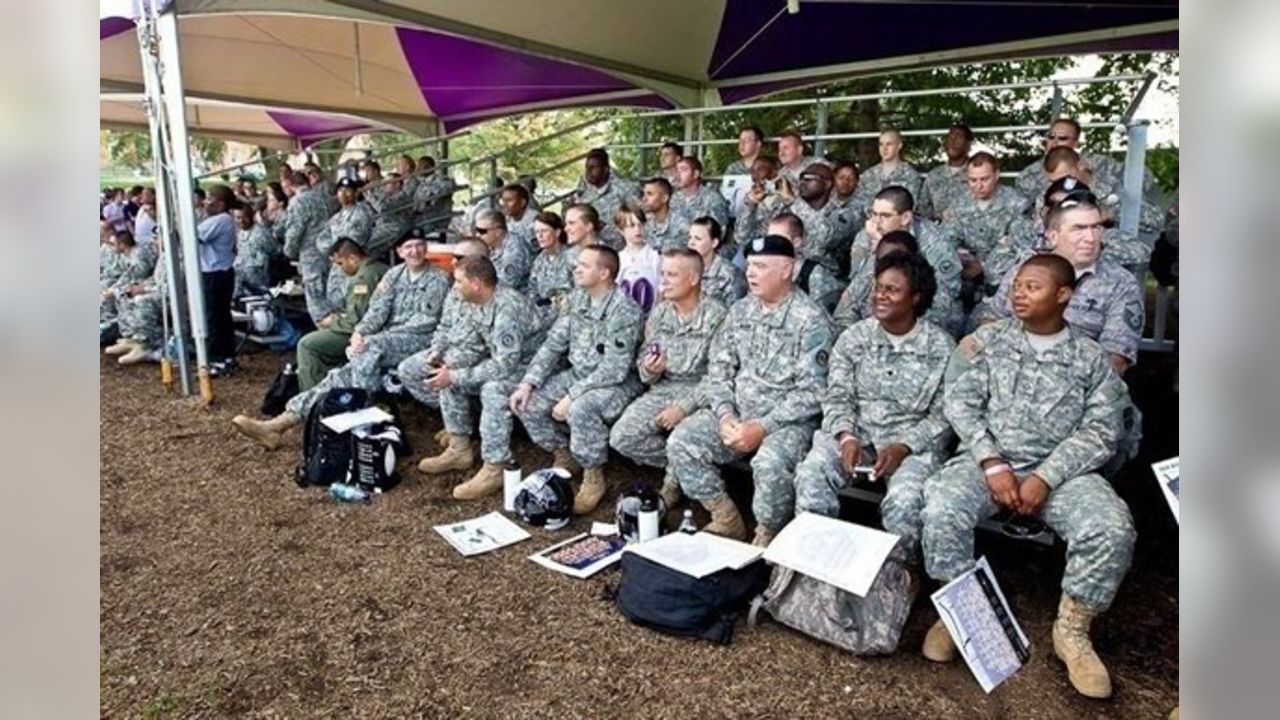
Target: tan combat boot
938, 645
137, 353
460, 454
591, 492
487, 481
725, 519
268, 433
1072, 646
763, 536
562, 458
121, 346
670, 495
442, 437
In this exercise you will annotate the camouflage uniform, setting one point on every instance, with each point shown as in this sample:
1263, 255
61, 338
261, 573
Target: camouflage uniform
433, 201
674, 233
325, 348
513, 262
254, 248
307, 240
522, 228
723, 282
481, 344
109, 267
392, 214
401, 318
881, 394
980, 227
945, 185
766, 366
1027, 234
141, 316
1033, 180
708, 201
550, 283
738, 167
792, 174
940, 253
685, 344
828, 231
822, 286
877, 178
1055, 414
852, 212
606, 200
598, 337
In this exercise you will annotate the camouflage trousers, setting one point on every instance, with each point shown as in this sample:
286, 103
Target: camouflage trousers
252, 280
820, 478
315, 269
586, 434
364, 370
1084, 510
636, 435
695, 449
141, 320
454, 401
335, 289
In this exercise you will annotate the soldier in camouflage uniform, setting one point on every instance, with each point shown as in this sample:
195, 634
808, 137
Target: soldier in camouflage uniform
141, 314
663, 227
750, 142
134, 262
672, 361
433, 196
1065, 132
948, 182
1063, 163
883, 405
857, 302
353, 220
551, 278
826, 224
847, 202
514, 201
809, 275
598, 338
605, 192
693, 198
1037, 407
510, 254
791, 159
325, 348
109, 267
402, 315
254, 248
492, 339
722, 281
893, 209
893, 170
760, 398
979, 219
307, 240
316, 179
392, 209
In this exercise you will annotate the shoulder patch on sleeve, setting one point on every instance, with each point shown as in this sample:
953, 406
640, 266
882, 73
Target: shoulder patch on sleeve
360, 289
969, 347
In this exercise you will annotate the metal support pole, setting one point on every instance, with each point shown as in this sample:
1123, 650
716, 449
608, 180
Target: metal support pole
164, 207
166, 28
699, 128
688, 128
1135, 160
642, 161
1055, 107
820, 129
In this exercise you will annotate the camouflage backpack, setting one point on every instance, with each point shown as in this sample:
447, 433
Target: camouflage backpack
867, 625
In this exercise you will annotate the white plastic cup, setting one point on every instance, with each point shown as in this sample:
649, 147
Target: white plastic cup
510, 487
648, 522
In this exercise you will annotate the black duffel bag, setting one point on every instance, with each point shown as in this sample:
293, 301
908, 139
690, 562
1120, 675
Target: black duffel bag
669, 601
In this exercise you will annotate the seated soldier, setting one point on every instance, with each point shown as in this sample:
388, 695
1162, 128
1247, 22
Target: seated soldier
604, 191
325, 348
851, 207
722, 281
826, 225
883, 403
598, 338
1037, 408
432, 196
254, 248
510, 254
402, 315
583, 226
750, 142
949, 182
791, 158
1063, 163
496, 326
692, 198
392, 208
663, 227
668, 155
893, 170
857, 301
672, 361
141, 320
551, 278
1065, 133
979, 218
760, 398
810, 275
894, 209
514, 200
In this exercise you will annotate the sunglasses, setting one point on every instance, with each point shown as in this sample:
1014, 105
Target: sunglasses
1078, 197
480, 230
1062, 138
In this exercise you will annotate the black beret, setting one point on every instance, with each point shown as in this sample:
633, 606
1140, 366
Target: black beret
413, 234
770, 245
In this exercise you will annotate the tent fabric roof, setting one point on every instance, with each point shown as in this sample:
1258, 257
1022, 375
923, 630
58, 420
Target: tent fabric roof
409, 63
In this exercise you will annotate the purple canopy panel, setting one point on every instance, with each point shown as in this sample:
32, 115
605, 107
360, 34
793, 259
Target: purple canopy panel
835, 33
111, 26
303, 126
459, 76
654, 101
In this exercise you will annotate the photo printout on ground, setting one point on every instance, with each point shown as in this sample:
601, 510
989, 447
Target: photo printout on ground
483, 534
983, 627
843, 554
1167, 475
581, 556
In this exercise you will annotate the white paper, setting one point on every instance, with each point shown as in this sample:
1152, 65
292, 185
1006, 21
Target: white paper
599, 528
734, 189
483, 534
973, 618
697, 555
343, 422
581, 556
1167, 475
840, 553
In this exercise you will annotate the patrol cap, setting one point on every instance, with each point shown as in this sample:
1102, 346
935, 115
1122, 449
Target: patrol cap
349, 182
412, 234
770, 245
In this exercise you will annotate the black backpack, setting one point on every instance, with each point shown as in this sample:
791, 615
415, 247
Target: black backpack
326, 455
284, 387
669, 601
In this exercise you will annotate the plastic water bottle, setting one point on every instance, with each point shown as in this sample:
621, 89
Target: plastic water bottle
687, 525
343, 492
510, 485
647, 517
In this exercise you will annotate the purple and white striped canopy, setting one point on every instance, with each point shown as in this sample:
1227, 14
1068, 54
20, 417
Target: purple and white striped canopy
426, 66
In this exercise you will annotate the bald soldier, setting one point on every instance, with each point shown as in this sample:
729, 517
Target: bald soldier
893, 170
672, 361
1037, 407
760, 398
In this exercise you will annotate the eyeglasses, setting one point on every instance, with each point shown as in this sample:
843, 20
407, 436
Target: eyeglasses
1060, 138
480, 230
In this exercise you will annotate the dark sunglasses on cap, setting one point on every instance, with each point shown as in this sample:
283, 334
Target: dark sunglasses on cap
1078, 197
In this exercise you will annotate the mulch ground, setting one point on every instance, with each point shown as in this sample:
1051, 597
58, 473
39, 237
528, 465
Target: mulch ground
227, 591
